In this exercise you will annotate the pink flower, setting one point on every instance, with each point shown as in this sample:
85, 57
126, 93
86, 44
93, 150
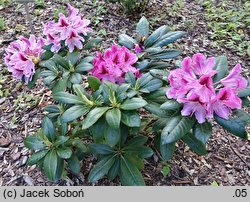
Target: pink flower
224, 102
115, 63
203, 66
234, 79
22, 56
182, 80
70, 29
204, 88
74, 40
192, 85
194, 105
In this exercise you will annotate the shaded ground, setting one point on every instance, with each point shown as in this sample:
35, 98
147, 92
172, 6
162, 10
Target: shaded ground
228, 159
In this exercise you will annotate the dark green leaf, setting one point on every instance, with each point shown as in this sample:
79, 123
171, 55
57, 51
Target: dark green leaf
155, 36
166, 54
167, 150
194, 144
112, 136
83, 66
101, 168
133, 103
74, 112
137, 141
170, 105
76, 78
61, 140
113, 118
73, 57
142, 27
141, 151
101, 149
155, 109
131, 118
67, 98
176, 128
60, 85
34, 158
153, 85
74, 164
130, 78
53, 166
127, 41
129, 174
203, 131
235, 126
64, 152
93, 116
46, 55
168, 38
61, 61
98, 129
48, 128
113, 171
94, 82
137, 161
221, 67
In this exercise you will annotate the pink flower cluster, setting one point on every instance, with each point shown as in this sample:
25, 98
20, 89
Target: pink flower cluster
193, 86
69, 29
22, 56
114, 64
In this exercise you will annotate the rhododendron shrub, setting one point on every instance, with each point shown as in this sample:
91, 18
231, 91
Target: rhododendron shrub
100, 99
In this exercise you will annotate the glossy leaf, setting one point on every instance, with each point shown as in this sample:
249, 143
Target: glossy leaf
67, 98
203, 131
127, 41
113, 118
53, 166
168, 38
113, 171
170, 105
34, 142
64, 152
101, 168
93, 116
129, 174
48, 128
194, 144
155, 36
235, 126
101, 149
112, 136
131, 118
74, 164
94, 82
83, 66
74, 112
34, 158
221, 67
133, 103
176, 128
142, 27
61, 61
